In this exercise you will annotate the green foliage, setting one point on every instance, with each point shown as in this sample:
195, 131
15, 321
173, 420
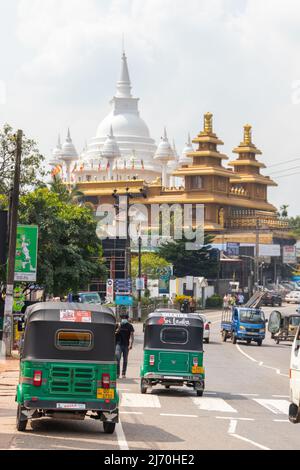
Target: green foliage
151, 263
196, 263
71, 195
295, 226
70, 254
31, 172
3, 202
214, 302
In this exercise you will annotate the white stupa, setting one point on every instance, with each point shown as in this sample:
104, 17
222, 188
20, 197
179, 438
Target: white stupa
137, 148
110, 153
164, 154
172, 166
68, 155
56, 154
184, 160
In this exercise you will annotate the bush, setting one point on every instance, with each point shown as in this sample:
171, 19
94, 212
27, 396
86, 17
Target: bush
214, 302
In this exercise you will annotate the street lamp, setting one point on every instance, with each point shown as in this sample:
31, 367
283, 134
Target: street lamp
139, 218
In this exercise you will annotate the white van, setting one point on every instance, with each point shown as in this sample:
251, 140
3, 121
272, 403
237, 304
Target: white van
294, 411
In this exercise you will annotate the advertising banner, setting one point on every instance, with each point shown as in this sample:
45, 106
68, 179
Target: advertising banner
269, 250
110, 291
26, 253
289, 255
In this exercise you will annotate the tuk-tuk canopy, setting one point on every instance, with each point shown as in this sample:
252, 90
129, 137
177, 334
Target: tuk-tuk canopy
69, 331
174, 331
280, 320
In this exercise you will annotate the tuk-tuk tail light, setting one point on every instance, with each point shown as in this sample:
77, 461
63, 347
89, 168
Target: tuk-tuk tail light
105, 380
152, 360
195, 362
37, 378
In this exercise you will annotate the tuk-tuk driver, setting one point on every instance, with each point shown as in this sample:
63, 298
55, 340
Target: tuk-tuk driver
124, 343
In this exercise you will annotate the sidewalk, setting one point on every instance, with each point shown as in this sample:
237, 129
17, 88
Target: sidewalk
9, 365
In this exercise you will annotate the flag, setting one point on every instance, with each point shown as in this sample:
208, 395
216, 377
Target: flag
99, 167
108, 166
57, 170
133, 165
75, 168
82, 167
143, 166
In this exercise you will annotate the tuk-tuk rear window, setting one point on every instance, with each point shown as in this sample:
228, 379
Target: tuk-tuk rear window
174, 335
68, 340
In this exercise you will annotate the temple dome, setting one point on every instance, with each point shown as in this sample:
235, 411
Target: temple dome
124, 125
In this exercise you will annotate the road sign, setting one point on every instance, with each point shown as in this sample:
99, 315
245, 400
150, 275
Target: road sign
26, 253
110, 290
289, 255
233, 249
140, 284
123, 285
124, 300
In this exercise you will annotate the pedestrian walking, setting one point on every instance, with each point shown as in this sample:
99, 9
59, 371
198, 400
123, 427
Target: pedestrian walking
124, 343
226, 299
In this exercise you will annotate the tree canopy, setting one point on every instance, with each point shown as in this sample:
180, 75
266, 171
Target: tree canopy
202, 262
151, 263
70, 254
31, 164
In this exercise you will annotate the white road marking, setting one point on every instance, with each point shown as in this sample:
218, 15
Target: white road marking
278, 407
244, 354
178, 416
261, 364
131, 413
280, 396
210, 393
250, 442
281, 420
237, 419
232, 426
124, 389
123, 444
246, 394
133, 400
213, 404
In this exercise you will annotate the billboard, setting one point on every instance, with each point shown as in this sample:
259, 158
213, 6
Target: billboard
26, 253
289, 255
269, 251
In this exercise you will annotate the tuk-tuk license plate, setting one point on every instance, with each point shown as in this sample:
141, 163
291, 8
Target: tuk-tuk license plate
70, 406
103, 394
197, 370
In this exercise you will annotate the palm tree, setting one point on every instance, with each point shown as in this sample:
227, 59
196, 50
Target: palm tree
68, 193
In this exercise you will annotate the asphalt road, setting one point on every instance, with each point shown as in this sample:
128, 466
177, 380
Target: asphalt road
244, 407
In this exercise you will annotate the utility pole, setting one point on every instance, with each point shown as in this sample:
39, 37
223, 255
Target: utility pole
140, 277
256, 271
13, 222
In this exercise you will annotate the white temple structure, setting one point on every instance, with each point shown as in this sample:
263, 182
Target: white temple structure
137, 155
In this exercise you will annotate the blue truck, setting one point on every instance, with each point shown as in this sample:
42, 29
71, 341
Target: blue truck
243, 324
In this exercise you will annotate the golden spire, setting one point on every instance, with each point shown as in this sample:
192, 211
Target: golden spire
248, 135
208, 123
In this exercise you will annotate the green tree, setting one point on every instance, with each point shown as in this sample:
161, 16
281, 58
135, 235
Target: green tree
294, 223
284, 211
202, 262
70, 254
151, 263
31, 167
68, 194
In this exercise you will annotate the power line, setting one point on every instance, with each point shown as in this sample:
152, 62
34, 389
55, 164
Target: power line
283, 163
285, 176
287, 169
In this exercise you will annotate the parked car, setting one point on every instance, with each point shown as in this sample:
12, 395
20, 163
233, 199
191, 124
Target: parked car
272, 298
206, 335
293, 297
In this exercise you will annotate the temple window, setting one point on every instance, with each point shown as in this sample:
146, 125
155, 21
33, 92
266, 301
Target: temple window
196, 182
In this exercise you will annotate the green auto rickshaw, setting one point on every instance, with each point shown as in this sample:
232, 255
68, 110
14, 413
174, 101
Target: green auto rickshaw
68, 368
173, 351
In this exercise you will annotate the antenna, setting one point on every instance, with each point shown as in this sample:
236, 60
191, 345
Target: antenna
123, 43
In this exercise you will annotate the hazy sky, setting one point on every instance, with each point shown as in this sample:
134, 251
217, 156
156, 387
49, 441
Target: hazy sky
239, 59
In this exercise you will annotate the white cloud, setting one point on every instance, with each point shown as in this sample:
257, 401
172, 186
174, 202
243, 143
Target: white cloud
237, 58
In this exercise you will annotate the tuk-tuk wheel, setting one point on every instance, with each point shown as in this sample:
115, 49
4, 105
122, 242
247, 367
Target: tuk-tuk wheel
248, 341
109, 428
143, 387
21, 423
224, 336
294, 413
277, 341
200, 393
234, 340
259, 343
